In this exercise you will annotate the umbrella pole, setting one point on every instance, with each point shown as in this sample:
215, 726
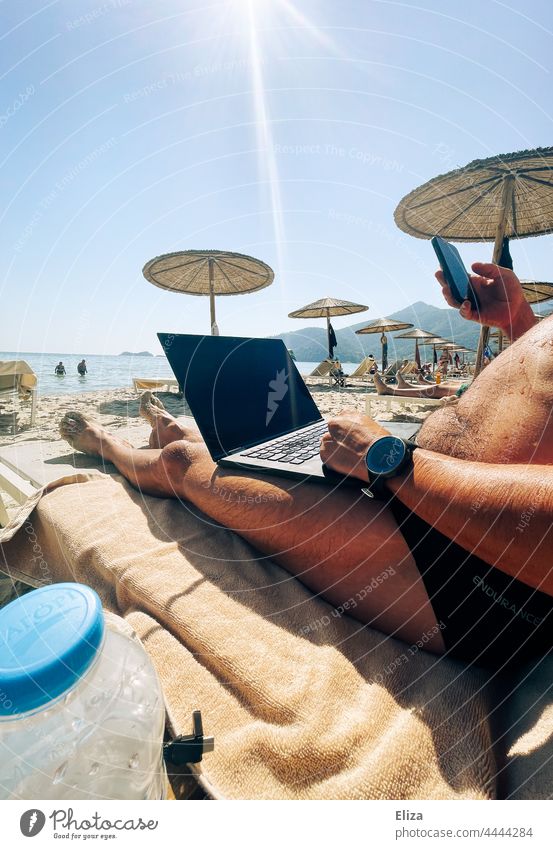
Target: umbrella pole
328, 334
506, 205
211, 299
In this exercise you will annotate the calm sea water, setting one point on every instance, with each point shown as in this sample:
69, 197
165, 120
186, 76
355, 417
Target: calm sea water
104, 372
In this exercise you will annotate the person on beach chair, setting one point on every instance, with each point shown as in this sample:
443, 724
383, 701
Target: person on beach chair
464, 527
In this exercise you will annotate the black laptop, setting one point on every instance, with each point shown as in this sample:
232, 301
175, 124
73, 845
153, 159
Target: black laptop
249, 401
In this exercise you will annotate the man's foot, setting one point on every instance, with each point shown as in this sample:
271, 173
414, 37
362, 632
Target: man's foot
402, 383
165, 428
380, 386
85, 435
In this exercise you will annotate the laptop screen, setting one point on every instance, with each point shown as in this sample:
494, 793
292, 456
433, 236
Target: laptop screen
240, 391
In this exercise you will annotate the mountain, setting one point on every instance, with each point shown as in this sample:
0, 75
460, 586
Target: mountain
135, 354
309, 344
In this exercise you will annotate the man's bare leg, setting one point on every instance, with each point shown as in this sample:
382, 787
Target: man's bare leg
335, 541
434, 391
165, 427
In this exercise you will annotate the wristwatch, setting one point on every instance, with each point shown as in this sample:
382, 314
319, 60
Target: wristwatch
386, 458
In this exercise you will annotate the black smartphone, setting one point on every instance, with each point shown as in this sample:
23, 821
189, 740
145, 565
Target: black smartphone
455, 273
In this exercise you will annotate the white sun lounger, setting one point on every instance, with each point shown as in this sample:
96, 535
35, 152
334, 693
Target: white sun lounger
28, 466
401, 400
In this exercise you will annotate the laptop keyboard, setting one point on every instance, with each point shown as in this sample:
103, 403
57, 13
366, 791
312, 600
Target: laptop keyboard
295, 448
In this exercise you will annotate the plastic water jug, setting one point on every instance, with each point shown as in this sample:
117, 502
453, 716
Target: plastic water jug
81, 708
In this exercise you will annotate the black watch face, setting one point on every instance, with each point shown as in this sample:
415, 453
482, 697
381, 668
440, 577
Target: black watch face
386, 455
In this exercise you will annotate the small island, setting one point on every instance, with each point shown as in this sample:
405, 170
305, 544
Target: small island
135, 354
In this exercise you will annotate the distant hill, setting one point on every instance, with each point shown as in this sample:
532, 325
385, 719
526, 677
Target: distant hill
135, 354
309, 343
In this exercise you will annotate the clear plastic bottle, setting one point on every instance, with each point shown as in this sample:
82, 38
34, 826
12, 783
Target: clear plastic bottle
81, 708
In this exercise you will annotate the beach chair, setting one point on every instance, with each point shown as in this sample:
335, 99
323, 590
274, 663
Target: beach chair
322, 369
363, 370
394, 721
152, 383
26, 467
17, 379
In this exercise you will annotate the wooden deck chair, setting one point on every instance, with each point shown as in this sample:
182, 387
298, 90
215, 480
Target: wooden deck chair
364, 368
323, 369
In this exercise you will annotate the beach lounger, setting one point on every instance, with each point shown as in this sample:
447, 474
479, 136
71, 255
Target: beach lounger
322, 370
423, 403
17, 379
304, 703
167, 383
363, 369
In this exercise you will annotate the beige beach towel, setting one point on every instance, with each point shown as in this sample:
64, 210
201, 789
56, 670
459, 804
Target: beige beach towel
302, 703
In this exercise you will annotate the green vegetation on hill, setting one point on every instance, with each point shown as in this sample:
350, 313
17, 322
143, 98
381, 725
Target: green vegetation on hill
309, 343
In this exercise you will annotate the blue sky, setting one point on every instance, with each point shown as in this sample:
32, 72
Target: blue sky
130, 128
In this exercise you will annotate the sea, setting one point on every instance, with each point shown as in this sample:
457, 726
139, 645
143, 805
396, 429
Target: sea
105, 371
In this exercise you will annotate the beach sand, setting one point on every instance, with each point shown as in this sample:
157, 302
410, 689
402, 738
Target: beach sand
118, 408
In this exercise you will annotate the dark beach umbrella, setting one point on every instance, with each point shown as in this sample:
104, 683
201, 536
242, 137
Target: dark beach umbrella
208, 273
508, 196
325, 308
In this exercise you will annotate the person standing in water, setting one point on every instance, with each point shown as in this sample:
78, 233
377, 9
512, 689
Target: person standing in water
81, 368
60, 369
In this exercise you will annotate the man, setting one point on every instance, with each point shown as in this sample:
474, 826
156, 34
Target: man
479, 587
81, 368
60, 369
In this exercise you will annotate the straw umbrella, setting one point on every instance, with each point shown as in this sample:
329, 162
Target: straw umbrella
208, 273
384, 325
436, 342
504, 196
417, 334
324, 309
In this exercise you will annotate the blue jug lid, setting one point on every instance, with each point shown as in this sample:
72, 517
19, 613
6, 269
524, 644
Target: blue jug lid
48, 639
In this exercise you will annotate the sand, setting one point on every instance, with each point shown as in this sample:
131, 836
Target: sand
118, 408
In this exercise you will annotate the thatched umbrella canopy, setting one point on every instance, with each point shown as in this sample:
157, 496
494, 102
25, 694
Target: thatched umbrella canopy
384, 325
209, 273
418, 335
324, 308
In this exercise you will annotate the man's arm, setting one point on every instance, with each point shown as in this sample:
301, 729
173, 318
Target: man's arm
503, 514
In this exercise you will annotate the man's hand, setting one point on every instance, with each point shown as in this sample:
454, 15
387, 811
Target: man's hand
502, 301
345, 446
